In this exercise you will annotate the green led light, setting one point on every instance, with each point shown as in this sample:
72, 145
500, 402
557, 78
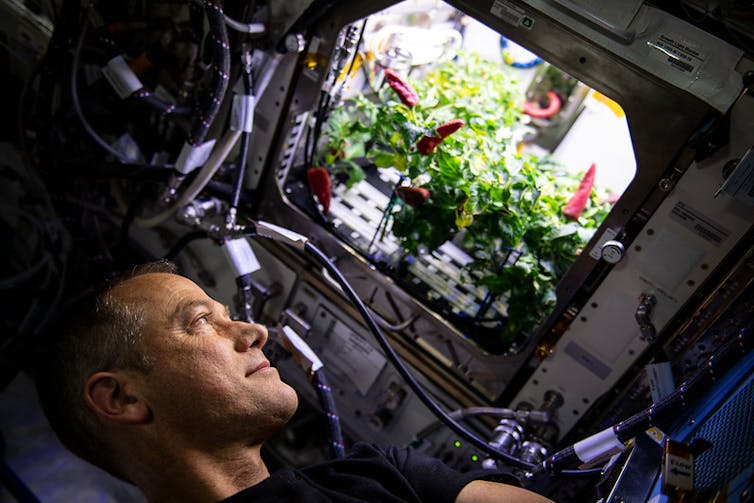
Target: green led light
457, 443
474, 458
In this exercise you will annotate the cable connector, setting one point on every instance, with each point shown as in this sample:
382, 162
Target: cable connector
277, 233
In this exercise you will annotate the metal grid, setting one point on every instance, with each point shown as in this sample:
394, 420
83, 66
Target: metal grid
731, 431
356, 215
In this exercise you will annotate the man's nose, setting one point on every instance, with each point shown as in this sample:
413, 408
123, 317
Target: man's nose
249, 335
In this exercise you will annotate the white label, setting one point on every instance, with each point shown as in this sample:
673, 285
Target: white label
355, 357
242, 113
679, 472
511, 14
676, 52
596, 252
121, 77
241, 255
661, 383
599, 446
192, 157
304, 354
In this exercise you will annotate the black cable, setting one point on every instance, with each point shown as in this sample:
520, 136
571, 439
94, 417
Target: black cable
245, 297
243, 155
321, 117
356, 47
324, 392
401, 368
323, 106
311, 143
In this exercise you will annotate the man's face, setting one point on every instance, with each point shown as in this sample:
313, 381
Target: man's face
210, 381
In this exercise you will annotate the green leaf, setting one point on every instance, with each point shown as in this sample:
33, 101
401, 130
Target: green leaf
384, 159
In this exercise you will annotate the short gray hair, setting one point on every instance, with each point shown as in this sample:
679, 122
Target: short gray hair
101, 333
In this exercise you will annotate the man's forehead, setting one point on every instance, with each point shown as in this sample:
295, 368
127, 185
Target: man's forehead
160, 293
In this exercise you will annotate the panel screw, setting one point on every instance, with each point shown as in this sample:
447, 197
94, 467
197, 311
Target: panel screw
666, 184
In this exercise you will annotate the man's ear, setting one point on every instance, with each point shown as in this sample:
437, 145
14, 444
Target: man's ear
110, 395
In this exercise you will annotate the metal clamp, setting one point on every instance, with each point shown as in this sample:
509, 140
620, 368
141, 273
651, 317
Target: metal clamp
643, 317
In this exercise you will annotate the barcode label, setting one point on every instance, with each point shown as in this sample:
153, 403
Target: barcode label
511, 14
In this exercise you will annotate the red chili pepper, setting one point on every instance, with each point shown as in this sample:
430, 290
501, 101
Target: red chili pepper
450, 127
413, 196
578, 201
427, 144
402, 88
319, 181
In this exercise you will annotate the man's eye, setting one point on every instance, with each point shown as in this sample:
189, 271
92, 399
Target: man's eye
201, 320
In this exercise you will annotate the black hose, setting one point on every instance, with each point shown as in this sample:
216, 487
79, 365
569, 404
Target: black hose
220, 72
324, 392
401, 368
166, 109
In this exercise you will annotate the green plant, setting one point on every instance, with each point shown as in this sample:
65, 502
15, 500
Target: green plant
480, 184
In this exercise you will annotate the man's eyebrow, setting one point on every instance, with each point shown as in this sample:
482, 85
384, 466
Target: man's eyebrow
188, 305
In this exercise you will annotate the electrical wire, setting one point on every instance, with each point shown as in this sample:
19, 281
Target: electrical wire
503, 413
243, 154
165, 108
123, 158
250, 28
